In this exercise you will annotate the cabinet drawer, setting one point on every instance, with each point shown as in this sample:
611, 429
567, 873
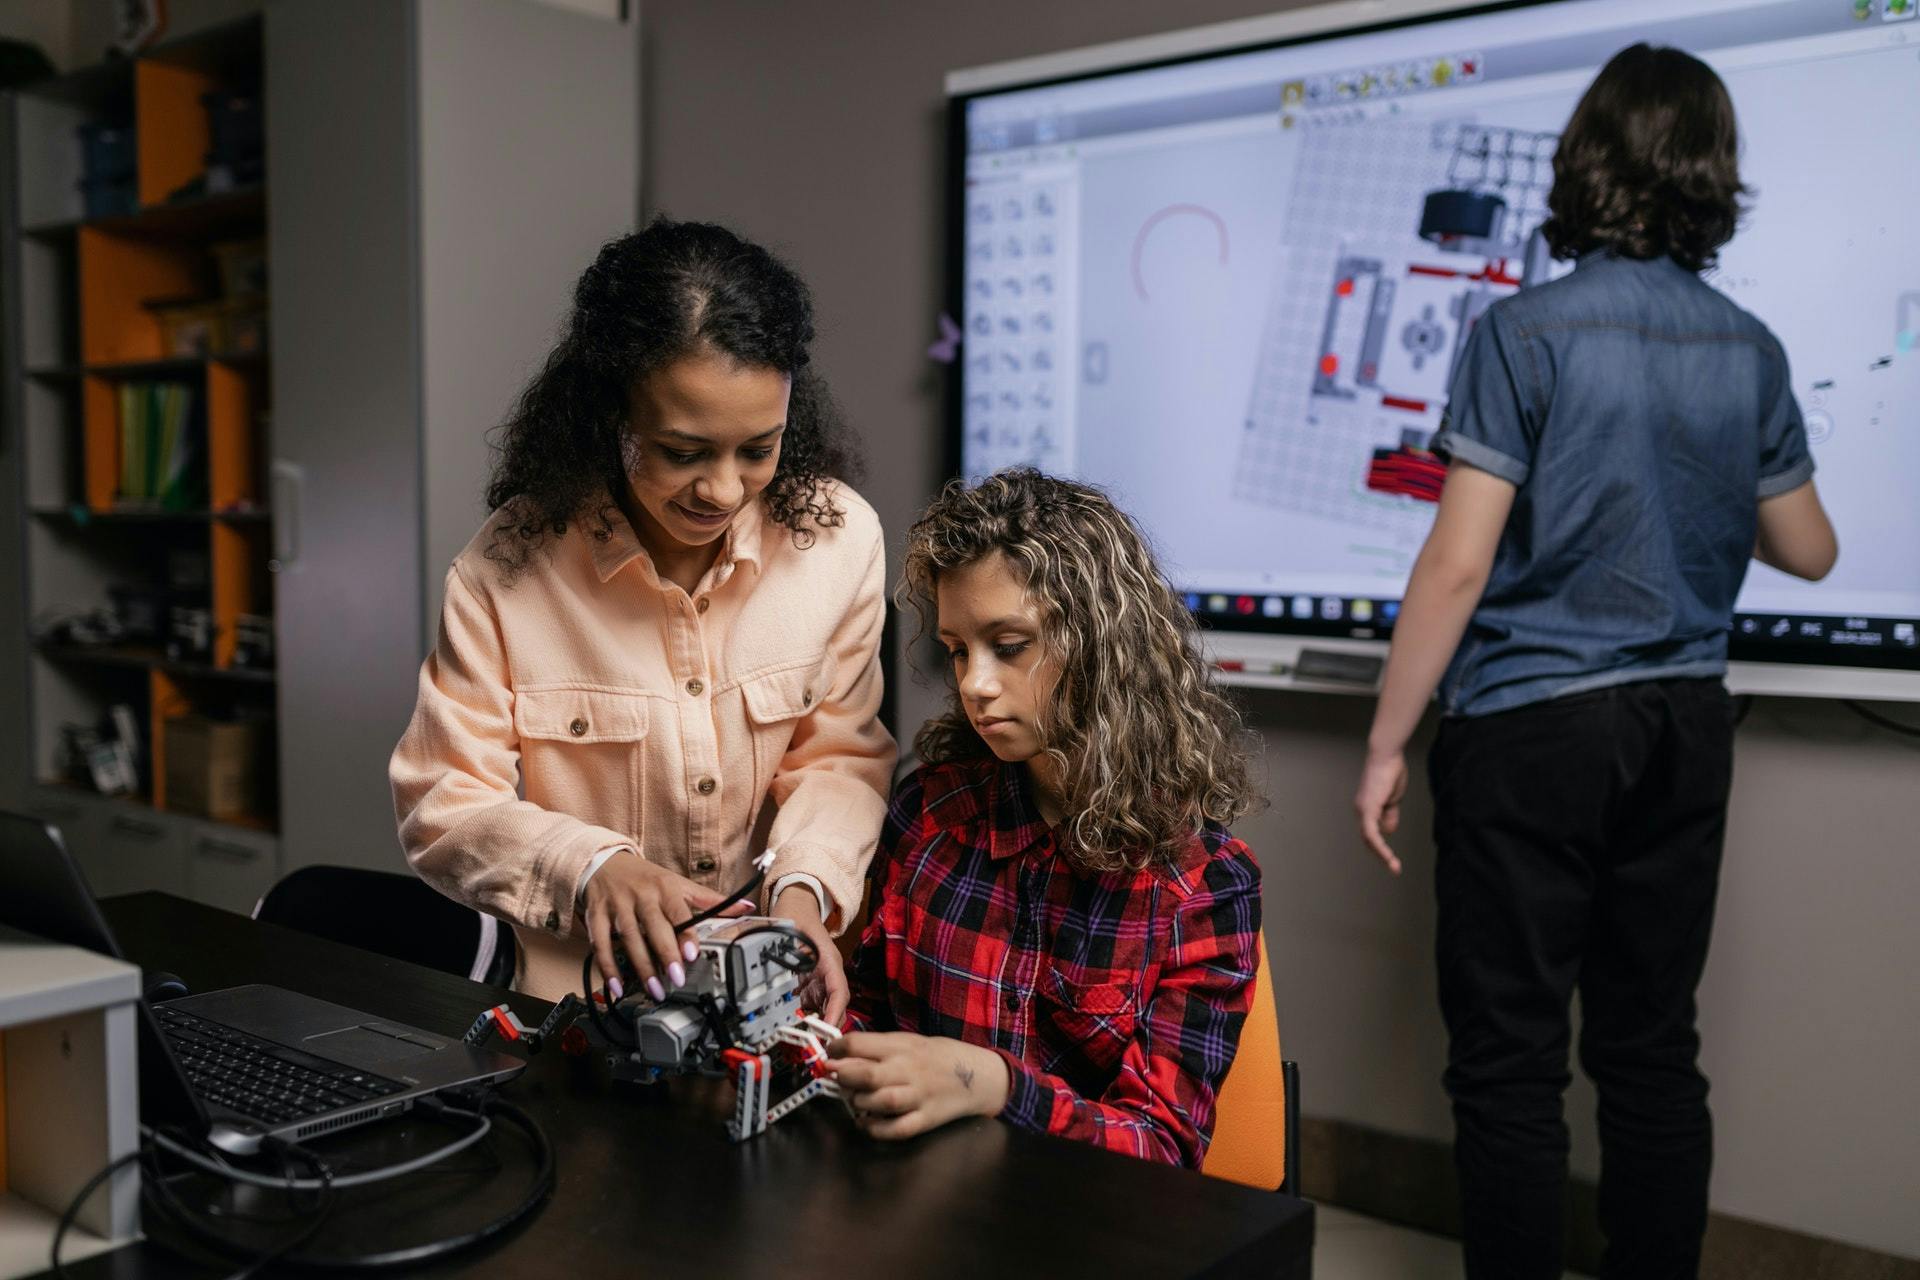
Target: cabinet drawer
230, 868
138, 849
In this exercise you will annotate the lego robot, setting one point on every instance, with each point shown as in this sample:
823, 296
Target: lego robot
738, 1014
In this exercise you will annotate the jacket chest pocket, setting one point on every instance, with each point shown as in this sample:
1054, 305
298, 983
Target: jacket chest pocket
776, 703
1084, 1026
583, 752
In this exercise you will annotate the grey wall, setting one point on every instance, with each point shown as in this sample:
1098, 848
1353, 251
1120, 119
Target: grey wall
501, 243
817, 128
45, 23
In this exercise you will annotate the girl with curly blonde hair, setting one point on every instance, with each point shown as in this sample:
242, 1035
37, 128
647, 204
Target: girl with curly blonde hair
1065, 933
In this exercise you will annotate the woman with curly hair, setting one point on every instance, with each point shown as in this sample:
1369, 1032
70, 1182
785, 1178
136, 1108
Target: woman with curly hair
661, 653
1623, 440
1065, 933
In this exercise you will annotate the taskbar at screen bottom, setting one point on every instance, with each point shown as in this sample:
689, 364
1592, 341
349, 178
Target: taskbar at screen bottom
1832, 640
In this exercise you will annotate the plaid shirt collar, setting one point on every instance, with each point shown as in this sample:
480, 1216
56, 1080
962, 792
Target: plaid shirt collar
1014, 824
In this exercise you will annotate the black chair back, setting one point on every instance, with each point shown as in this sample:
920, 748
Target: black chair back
393, 915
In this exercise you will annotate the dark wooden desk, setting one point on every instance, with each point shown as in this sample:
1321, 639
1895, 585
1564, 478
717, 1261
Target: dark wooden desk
648, 1181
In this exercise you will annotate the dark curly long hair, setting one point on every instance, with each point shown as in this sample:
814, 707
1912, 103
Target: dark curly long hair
671, 290
1649, 165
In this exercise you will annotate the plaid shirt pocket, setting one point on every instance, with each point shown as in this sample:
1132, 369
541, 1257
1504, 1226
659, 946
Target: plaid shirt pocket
1084, 1027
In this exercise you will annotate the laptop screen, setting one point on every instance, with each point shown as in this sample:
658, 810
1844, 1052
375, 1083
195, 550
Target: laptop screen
43, 892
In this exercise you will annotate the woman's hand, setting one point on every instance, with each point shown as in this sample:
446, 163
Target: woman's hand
825, 989
638, 903
1383, 785
900, 1084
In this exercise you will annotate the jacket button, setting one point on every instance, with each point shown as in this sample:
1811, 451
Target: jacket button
701, 604
705, 786
553, 921
806, 699
577, 728
695, 688
1011, 1000
704, 864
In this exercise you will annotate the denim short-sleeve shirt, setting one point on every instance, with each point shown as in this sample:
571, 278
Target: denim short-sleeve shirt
1642, 416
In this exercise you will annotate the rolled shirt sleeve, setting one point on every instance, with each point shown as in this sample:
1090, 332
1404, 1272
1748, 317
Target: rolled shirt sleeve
1489, 422
1786, 460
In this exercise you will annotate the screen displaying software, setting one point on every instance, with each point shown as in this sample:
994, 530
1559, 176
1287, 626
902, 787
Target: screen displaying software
1233, 289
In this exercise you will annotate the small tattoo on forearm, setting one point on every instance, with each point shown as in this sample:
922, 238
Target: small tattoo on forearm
965, 1075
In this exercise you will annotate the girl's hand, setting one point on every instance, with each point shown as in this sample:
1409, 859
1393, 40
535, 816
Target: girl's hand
900, 1084
638, 903
826, 987
1383, 784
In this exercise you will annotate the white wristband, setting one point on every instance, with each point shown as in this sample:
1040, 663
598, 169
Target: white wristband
801, 878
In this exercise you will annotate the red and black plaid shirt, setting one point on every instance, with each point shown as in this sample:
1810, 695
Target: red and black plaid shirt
1116, 999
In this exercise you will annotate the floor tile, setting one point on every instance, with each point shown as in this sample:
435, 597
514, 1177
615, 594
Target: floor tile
1350, 1246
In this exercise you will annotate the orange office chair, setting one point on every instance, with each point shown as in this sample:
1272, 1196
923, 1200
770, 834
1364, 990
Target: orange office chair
1256, 1125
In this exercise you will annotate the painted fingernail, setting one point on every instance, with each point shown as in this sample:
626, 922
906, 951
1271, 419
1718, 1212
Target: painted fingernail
678, 974
690, 950
615, 988
655, 990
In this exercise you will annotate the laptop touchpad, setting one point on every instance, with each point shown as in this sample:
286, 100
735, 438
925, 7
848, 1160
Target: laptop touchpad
362, 1045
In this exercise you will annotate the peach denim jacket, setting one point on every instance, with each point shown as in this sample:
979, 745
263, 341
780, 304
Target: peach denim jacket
590, 705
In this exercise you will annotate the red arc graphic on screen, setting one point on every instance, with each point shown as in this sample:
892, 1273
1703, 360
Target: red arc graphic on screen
1146, 229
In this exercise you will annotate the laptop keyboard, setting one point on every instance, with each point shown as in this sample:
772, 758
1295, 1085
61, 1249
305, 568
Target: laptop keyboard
261, 1079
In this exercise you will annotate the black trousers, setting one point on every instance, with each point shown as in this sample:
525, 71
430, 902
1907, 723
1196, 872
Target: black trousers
1579, 849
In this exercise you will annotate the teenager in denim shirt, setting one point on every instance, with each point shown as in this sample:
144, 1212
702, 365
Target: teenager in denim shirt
1623, 440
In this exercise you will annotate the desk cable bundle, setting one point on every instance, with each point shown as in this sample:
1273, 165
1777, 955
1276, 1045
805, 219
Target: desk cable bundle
167, 1157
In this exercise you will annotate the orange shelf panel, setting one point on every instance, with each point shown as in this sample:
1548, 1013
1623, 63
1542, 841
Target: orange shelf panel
167, 701
117, 276
170, 127
239, 562
232, 444
100, 442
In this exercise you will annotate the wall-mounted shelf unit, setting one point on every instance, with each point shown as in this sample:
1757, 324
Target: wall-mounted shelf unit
436, 175
139, 388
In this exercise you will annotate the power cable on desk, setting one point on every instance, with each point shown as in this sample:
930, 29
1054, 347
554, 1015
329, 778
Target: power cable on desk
157, 1191
154, 1189
412, 1255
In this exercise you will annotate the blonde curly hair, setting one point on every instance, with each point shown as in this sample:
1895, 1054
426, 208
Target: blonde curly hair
1146, 748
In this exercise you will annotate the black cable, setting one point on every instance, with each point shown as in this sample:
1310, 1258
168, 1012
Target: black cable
413, 1255
287, 1253
745, 893
233, 1173
72, 1211
158, 1193
629, 1043
1874, 717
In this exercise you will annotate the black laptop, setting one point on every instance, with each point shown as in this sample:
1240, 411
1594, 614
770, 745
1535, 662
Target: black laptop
245, 1063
